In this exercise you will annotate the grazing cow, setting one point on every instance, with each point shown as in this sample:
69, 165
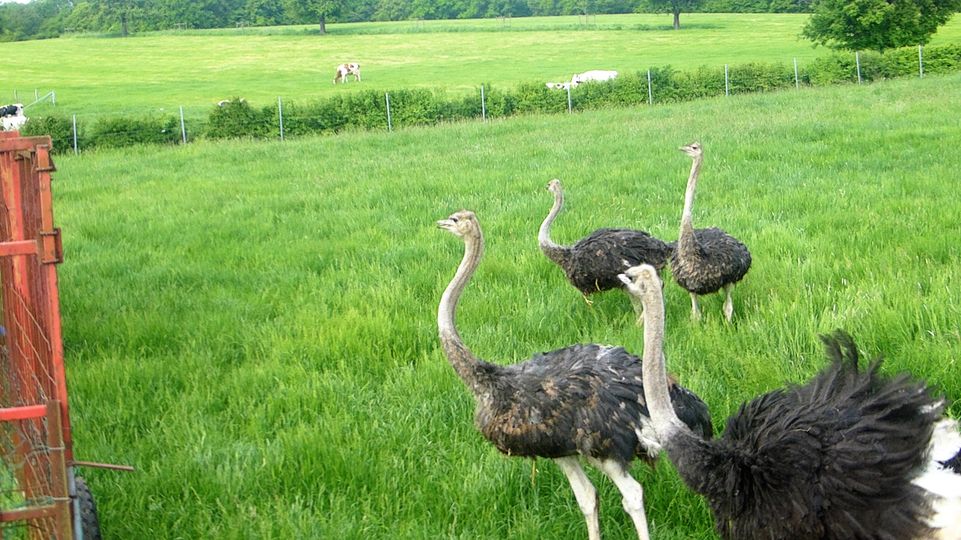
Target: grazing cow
595, 75
344, 70
12, 117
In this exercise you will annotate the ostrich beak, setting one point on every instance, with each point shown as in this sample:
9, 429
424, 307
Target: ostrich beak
445, 224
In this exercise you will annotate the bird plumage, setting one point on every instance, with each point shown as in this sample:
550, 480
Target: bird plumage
593, 263
706, 260
582, 400
850, 454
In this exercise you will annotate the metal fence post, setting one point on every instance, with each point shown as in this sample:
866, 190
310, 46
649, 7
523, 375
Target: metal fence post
650, 95
857, 62
53, 96
75, 135
183, 128
280, 116
390, 126
727, 87
797, 84
920, 61
570, 105
483, 105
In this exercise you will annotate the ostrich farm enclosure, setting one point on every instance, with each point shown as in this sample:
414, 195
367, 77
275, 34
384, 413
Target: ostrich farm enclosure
252, 325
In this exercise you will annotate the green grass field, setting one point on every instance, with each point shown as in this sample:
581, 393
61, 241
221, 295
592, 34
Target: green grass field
158, 73
252, 325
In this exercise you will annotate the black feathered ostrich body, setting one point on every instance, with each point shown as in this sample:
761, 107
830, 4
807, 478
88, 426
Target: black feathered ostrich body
593, 262
583, 400
706, 260
851, 454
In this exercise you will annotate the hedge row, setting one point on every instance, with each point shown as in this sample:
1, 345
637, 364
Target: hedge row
367, 110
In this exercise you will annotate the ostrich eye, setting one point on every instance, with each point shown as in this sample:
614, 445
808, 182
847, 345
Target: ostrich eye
454, 219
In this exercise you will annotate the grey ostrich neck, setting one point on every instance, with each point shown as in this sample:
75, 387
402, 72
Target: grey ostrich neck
686, 242
656, 391
557, 253
468, 367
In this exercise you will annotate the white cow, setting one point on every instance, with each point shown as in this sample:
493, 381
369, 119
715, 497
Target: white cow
595, 75
343, 70
12, 117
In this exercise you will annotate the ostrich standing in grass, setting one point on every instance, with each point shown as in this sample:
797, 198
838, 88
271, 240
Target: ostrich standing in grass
593, 263
706, 260
583, 400
850, 454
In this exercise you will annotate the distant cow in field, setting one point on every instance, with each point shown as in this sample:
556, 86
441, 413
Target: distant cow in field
595, 75
344, 70
12, 116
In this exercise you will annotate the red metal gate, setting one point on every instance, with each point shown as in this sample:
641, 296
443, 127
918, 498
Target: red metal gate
35, 442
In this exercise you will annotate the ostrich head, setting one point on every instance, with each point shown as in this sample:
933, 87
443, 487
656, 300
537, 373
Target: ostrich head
554, 186
638, 279
462, 224
694, 149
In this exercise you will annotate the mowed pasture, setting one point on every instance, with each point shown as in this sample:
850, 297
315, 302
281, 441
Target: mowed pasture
253, 325
156, 73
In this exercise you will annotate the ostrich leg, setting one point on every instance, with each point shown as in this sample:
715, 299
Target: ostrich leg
695, 308
728, 302
584, 492
631, 491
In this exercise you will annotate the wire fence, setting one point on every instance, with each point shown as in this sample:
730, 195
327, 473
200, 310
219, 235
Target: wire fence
182, 128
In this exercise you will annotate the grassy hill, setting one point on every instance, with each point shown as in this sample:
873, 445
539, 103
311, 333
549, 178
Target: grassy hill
252, 325
160, 72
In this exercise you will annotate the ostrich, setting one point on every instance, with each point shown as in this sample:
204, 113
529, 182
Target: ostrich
706, 260
851, 454
584, 400
593, 263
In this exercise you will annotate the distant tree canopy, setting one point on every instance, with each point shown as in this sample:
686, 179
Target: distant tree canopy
50, 18
876, 25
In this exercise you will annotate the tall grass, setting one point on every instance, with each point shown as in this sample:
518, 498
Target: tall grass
160, 72
252, 325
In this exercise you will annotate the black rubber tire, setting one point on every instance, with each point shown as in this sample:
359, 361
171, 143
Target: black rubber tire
88, 511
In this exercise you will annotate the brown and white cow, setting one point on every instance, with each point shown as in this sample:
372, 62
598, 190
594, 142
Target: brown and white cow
343, 70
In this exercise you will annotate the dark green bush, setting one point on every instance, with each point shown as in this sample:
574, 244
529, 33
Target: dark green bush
59, 128
237, 119
120, 131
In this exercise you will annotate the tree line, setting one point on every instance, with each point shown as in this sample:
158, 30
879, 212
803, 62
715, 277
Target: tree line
41, 19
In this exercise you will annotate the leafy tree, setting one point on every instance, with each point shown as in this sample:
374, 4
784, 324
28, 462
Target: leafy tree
674, 6
316, 10
876, 24
122, 10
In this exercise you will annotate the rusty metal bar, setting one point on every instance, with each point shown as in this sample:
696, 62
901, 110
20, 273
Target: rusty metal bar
60, 491
18, 247
30, 512
109, 466
22, 413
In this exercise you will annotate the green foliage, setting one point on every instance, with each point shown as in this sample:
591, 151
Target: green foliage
876, 25
237, 119
253, 325
122, 131
59, 128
